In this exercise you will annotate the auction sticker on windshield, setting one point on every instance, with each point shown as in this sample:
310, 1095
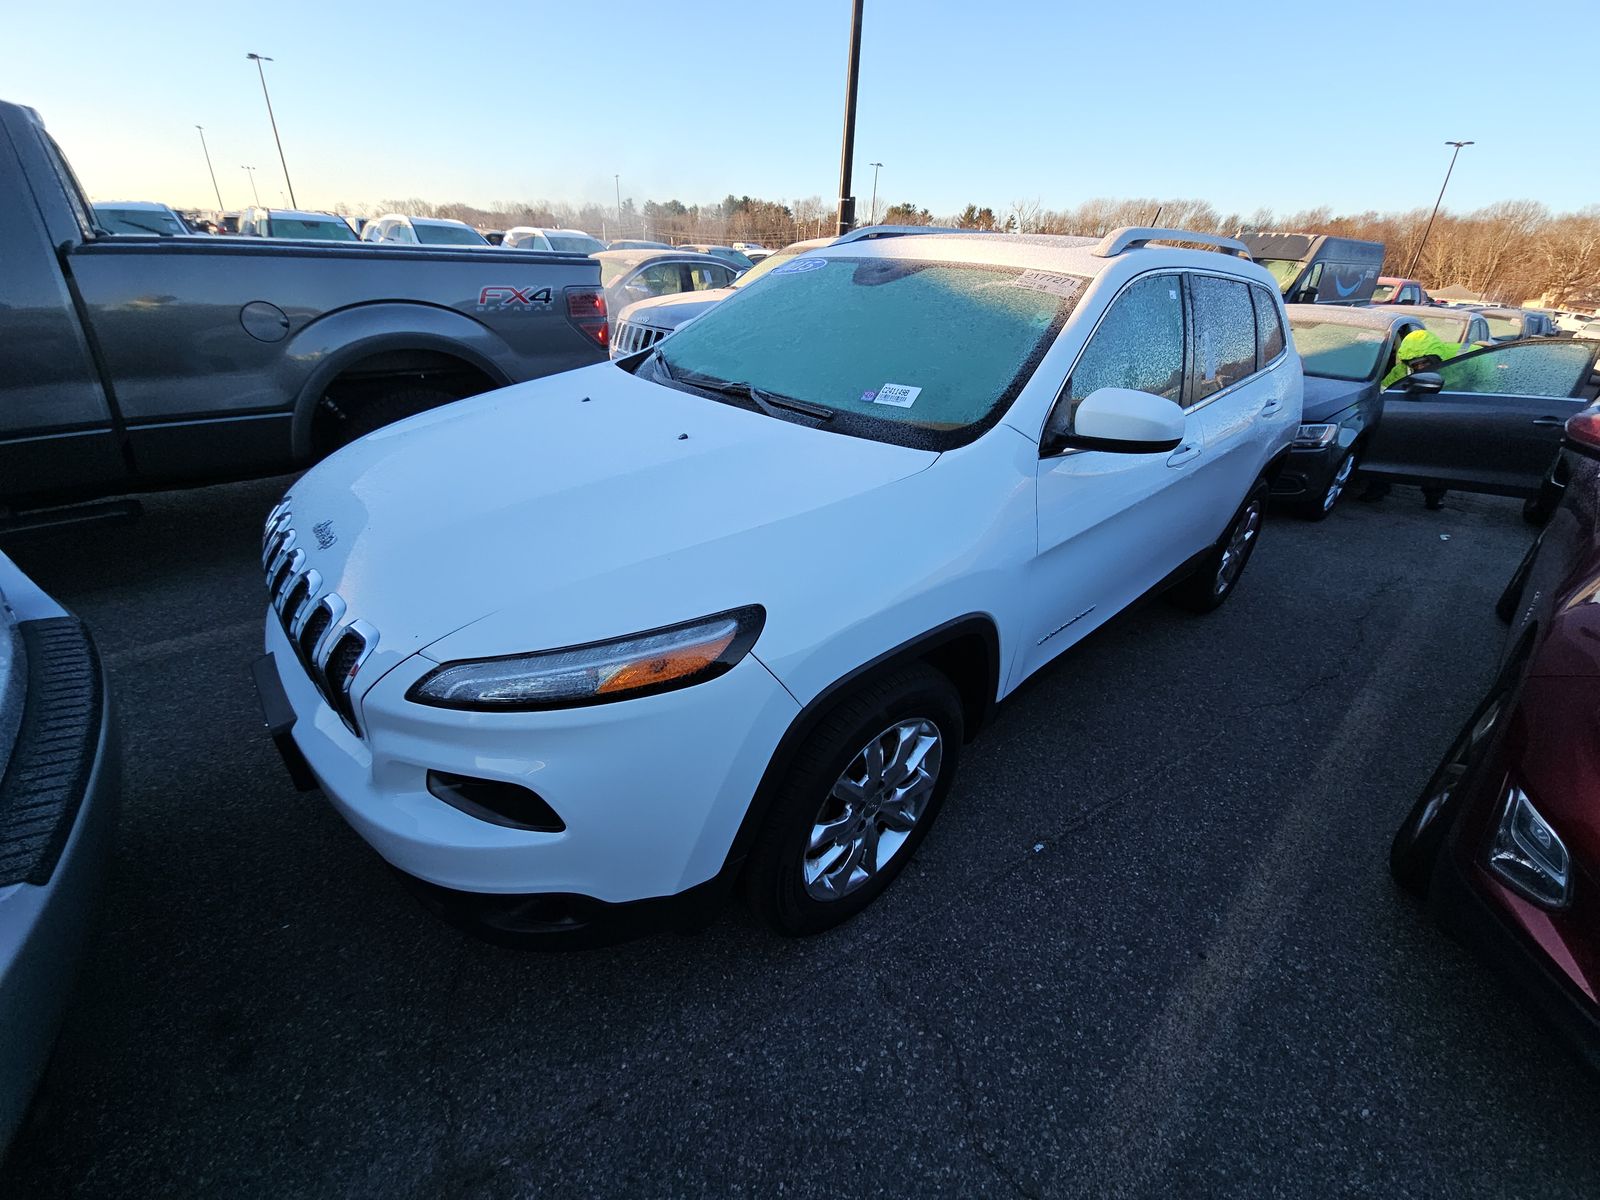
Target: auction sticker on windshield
897, 394
1065, 286
800, 266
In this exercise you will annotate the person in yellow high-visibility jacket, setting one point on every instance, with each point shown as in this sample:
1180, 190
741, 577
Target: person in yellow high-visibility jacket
1419, 350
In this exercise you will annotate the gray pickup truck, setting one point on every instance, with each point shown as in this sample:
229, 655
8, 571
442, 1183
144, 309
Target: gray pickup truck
130, 363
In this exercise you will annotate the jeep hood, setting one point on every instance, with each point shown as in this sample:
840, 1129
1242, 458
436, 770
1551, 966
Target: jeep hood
583, 506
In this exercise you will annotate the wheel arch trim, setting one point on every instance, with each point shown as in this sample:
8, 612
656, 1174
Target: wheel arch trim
918, 649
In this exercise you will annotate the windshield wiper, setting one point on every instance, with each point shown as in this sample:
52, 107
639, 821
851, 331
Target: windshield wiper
760, 399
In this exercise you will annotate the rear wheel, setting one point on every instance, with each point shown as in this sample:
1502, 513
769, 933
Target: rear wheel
346, 419
859, 798
1218, 574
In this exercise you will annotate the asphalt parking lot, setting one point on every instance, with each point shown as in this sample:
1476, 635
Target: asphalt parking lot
1151, 948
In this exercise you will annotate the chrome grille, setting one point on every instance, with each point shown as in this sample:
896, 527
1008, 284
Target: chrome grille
330, 647
630, 338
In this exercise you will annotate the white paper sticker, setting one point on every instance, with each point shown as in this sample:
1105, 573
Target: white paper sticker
1065, 286
897, 394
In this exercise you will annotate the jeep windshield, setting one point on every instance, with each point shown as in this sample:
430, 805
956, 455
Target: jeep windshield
924, 354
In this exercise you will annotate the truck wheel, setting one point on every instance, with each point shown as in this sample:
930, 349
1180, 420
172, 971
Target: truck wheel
858, 799
354, 419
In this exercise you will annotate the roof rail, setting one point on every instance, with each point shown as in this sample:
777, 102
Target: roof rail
1134, 237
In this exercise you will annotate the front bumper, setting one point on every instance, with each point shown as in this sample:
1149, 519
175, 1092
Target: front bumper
651, 790
1482, 914
44, 925
1305, 474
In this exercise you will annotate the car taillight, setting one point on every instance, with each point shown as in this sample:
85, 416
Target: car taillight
586, 308
1584, 429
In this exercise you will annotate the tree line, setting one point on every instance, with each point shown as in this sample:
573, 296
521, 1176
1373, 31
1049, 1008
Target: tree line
1513, 252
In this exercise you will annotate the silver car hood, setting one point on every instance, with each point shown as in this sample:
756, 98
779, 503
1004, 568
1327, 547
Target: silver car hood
668, 312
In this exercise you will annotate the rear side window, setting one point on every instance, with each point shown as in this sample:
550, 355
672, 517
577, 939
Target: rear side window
1269, 326
1138, 344
1224, 333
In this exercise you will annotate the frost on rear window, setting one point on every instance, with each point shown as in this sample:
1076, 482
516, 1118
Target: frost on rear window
964, 336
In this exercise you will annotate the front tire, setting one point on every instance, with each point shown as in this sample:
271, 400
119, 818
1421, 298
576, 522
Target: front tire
858, 799
1338, 485
1219, 571
1417, 843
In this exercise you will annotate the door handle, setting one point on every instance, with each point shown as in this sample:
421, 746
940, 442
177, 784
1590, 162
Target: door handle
1549, 420
1187, 452
1270, 407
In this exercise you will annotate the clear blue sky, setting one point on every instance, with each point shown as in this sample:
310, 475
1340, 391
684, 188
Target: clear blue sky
1288, 106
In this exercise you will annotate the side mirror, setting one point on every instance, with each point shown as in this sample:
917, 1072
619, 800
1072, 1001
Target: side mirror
1124, 421
1423, 383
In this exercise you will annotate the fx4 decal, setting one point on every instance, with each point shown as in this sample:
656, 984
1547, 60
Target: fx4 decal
503, 296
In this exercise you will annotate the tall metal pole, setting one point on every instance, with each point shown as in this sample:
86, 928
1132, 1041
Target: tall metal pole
259, 59
847, 202
617, 179
1411, 271
210, 168
872, 217
251, 172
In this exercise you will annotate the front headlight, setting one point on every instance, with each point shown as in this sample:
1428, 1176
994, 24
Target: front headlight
1315, 437
598, 673
1528, 854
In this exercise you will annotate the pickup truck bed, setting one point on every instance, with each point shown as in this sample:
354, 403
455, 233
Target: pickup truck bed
129, 363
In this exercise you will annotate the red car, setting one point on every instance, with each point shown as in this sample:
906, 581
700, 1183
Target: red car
1504, 841
1391, 290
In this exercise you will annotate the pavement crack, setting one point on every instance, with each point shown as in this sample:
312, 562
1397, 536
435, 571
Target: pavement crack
977, 1130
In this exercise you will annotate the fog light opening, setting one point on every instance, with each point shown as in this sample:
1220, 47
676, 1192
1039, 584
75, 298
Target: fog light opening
1528, 854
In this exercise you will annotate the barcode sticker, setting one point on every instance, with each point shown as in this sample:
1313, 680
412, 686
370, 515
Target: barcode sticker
897, 394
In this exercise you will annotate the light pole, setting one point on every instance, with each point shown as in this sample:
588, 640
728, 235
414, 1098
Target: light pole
258, 59
251, 171
617, 179
872, 217
209, 167
1411, 271
847, 202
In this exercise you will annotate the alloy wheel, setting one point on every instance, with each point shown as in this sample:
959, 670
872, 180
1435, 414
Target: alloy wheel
1341, 478
1238, 548
871, 809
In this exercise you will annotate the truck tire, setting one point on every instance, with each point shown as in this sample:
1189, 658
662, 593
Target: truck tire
357, 418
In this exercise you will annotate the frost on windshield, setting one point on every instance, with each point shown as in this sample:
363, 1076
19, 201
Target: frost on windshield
938, 345
1333, 350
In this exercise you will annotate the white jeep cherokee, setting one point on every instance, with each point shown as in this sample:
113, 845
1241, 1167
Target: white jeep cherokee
578, 654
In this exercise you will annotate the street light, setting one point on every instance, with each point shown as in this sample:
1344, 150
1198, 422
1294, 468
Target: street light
617, 179
872, 218
847, 202
1411, 271
258, 59
251, 171
209, 167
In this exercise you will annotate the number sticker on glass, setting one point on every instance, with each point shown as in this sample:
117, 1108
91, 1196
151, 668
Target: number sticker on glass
898, 394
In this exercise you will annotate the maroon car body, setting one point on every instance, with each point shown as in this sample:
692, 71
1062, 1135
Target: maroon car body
1504, 841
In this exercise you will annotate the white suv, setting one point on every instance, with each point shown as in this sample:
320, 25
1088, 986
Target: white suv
578, 654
